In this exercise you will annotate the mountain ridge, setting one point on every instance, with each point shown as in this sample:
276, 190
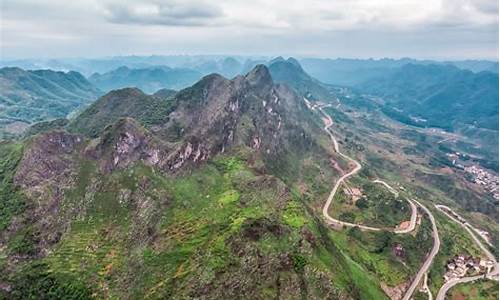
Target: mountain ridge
446, 96
129, 189
149, 79
40, 95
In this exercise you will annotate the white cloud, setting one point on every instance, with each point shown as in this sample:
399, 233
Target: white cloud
169, 13
314, 27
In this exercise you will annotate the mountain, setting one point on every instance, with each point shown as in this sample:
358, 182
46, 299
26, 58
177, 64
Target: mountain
203, 200
202, 108
227, 66
149, 79
216, 191
339, 71
249, 64
39, 95
290, 72
126, 102
439, 96
351, 72
475, 66
152, 79
89, 66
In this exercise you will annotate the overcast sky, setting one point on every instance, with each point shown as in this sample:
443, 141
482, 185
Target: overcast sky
440, 29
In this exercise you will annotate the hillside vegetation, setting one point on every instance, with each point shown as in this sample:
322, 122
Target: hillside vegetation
32, 96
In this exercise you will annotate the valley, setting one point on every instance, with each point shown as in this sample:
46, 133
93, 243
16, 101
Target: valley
260, 150
267, 185
435, 248
443, 290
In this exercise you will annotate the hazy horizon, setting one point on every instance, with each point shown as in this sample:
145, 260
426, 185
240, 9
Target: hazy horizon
240, 56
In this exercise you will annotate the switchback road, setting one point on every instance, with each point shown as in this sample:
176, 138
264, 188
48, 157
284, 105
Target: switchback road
357, 167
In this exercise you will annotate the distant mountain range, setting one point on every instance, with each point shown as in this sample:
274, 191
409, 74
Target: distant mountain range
350, 72
419, 94
149, 79
33, 96
339, 71
438, 96
152, 79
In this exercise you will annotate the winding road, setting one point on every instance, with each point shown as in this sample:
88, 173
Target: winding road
491, 275
428, 261
449, 284
423, 271
413, 218
357, 167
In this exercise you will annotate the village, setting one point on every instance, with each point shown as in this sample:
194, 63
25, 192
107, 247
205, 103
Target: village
484, 178
466, 265
480, 176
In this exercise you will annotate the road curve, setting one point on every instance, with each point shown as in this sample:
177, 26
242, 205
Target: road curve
413, 218
427, 263
468, 228
425, 286
357, 167
448, 285
491, 275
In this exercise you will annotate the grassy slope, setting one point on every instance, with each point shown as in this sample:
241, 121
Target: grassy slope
11, 200
127, 102
480, 290
384, 158
209, 232
379, 209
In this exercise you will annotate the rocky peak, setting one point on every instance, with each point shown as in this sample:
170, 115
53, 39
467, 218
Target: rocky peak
47, 159
259, 76
291, 73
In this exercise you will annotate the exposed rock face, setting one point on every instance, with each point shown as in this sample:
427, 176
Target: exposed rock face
196, 123
48, 160
398, 250
45, 172
125, 143
210, 117
127, 199
193, 151
395, 293
250, 110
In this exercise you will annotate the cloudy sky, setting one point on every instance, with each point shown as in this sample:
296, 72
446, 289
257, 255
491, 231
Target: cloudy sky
442, 29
